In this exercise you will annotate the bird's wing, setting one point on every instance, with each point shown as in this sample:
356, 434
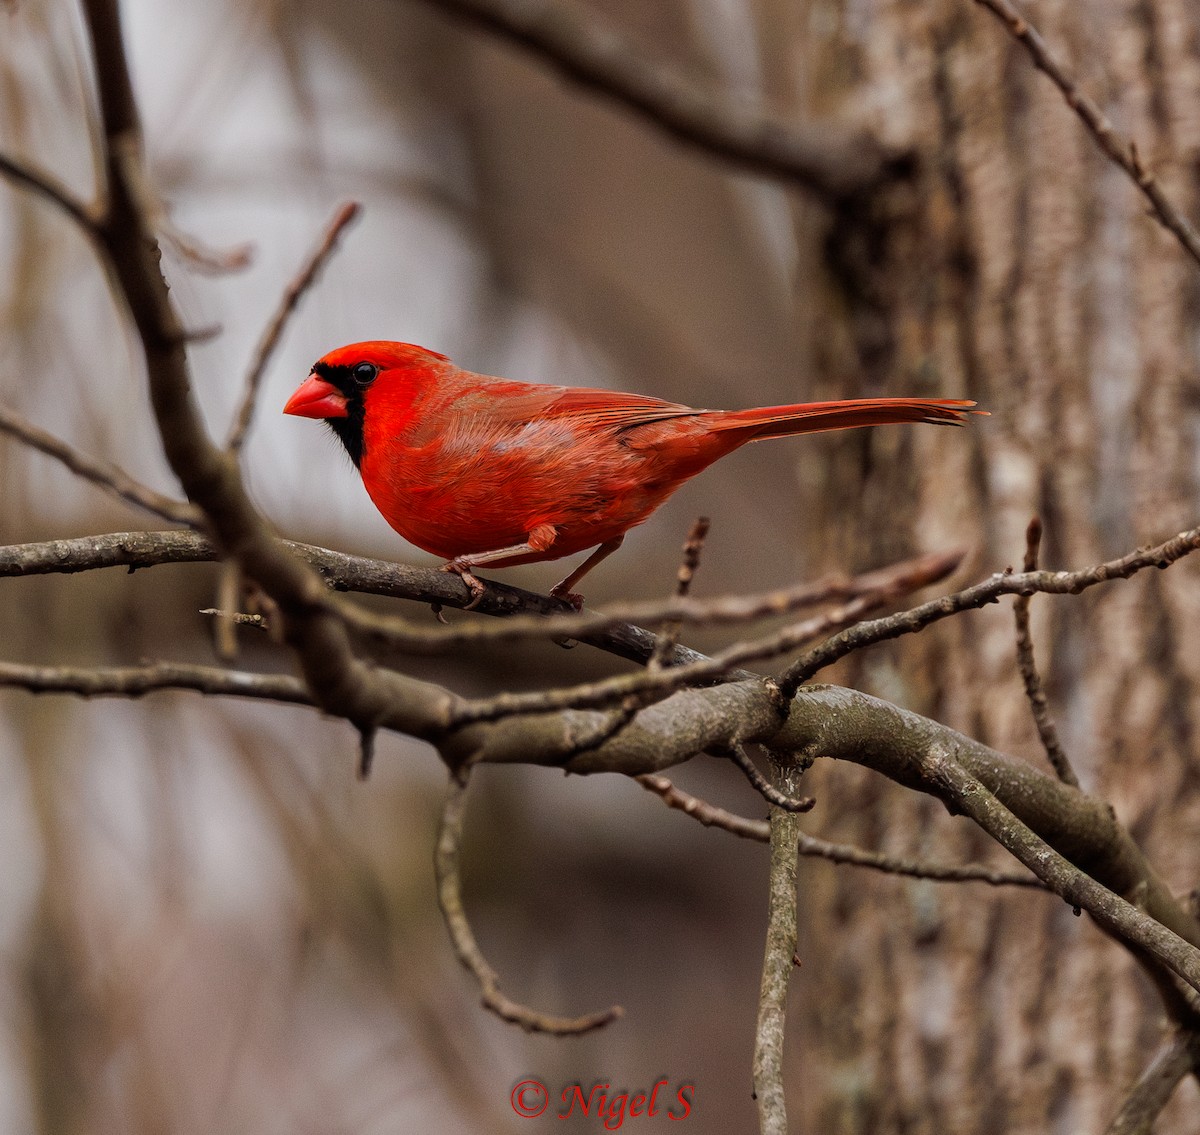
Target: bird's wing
610, 407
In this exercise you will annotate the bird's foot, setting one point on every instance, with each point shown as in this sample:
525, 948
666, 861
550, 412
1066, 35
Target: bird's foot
463, 571
572, 597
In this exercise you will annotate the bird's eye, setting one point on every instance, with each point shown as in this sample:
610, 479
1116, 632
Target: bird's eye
364, 373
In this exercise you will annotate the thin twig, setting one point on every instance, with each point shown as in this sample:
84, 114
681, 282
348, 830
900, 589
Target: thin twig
449, 888
779, 958
668, 637
51, 189
763, 786
109, 477
1118, 148
829, 160
1034, 690
1157, 1084
134, 681
980, 595
301, 282
760, 831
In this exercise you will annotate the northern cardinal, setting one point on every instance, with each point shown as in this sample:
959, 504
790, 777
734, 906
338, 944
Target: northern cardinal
484, 470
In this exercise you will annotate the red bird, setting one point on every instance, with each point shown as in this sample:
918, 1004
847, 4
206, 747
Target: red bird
484, 470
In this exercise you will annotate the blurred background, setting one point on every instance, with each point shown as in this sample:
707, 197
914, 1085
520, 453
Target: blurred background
206, 922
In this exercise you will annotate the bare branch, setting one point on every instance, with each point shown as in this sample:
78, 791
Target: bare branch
49, 188
110, 478
828, 160
134, 681
1027, 665
292, 295
980, 595
1157, 1084
811, 846
1119, 149
779, 956
449, 885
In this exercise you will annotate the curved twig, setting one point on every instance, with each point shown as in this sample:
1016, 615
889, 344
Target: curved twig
449, 888
763, 786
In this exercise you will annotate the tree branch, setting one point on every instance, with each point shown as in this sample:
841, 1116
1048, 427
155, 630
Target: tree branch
828, 160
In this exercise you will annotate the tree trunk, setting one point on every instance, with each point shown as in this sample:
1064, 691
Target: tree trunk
1022, 271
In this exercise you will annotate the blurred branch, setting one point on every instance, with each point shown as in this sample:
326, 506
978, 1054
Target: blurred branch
811, 846
292, 295
980, 595
201, 257
134, 681
779, 955
829, 160
1035, 693
1157, 1084
45, 186
449, 885
1118, 148
108, 477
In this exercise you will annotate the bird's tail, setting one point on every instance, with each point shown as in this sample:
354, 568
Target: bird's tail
812, 417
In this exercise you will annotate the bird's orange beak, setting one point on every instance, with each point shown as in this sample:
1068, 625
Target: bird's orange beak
317, 398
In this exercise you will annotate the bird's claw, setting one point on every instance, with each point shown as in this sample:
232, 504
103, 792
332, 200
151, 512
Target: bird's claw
463, 571
572, 597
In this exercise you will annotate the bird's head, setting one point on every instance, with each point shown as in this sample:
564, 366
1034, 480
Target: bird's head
380, 376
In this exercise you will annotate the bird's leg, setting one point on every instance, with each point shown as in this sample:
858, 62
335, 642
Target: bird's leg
539, 540
563, 590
